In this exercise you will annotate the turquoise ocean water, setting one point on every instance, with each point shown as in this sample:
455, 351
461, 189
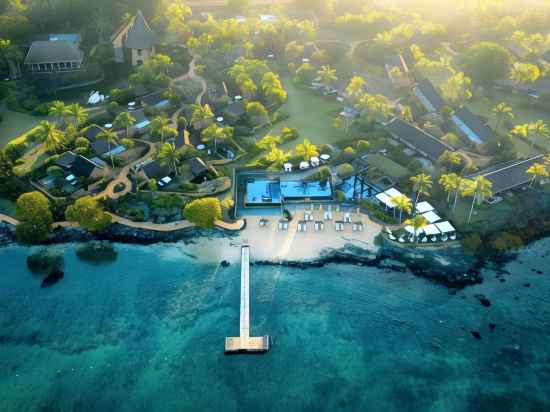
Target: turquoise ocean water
146, 333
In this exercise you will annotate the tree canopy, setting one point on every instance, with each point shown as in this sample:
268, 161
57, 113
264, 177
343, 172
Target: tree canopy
203, 212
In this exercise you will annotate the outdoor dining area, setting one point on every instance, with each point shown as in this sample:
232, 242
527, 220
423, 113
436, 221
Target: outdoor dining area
317, 218
436, 230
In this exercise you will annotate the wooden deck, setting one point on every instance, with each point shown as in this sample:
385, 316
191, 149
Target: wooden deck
245, 343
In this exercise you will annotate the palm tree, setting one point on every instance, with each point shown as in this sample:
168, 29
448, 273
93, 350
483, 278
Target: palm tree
51, 136
479, 189
546, 159
327, 75
539, 171
417, 222
523, 130
356, 87
170, 155
500, 111
214, 134
159, 126
12, 55
277, 158
422, 184
58, 110
306, 150
403, 203
77, 113
202, 116
124, 120
540, 129
452, 184
112, 139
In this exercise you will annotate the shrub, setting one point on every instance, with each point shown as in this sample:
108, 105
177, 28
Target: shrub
345, 170
188, 186
203, 212
97, 252
88, 213
34, 213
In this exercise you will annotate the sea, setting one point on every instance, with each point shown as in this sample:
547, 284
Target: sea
146, 332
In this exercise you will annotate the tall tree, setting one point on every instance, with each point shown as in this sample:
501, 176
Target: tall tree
403, 203
52, 138
478, 189
422, 185
112, 139
327, 76
501, 111
58, 110
524, 73
202, 116
169, 155
76, 113
124, 120
539, 171
417, 222
306, 150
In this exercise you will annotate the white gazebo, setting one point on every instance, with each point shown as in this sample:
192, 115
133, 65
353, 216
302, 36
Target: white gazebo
325, 158
410, 229
393, 192
445, 227
304, 165
431, 230
287, 167
385, 200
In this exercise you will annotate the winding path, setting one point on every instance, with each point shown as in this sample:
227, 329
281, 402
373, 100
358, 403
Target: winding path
192, 75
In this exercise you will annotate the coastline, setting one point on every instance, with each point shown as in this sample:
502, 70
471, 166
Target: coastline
451, 266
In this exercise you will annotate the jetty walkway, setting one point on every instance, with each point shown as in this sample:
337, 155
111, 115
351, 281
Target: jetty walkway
245, 343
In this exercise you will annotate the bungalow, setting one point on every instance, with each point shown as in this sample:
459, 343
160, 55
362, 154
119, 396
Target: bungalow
71, 37
510, 175
137, 37
155, 100
84, 168
100, 147
428, 95
66, 160
199, 169
141, 123
417, 139
399, 62
234, 112
155, 170
472, 126
53, 56
92, 132
538, 88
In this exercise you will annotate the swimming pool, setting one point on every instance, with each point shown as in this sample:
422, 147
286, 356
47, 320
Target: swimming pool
260, 192
269, 192
301, 190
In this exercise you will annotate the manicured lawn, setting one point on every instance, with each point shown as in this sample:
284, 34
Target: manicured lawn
485, 218
15, 125
311, 114
31, 160
524, 112
387, 166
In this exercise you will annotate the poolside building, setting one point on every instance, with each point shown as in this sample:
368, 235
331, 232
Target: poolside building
472, 126
264, 190
53, 56
428, 95
84, 168
509, 175
417, 139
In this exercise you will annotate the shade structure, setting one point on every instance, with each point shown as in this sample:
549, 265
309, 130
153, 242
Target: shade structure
445, 227
431, 217
410, 230
431, 230
393, 192
423, 207
325, 157
304, 165
314, 161
385, 200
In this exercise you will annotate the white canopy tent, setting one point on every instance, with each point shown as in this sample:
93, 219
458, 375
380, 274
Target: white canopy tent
314, 161
304, 165
431, 217
385, 200
410, 230
423, 207
431, 230
445, 227
393, 192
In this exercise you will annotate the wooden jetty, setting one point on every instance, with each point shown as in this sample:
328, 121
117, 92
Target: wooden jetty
245, 343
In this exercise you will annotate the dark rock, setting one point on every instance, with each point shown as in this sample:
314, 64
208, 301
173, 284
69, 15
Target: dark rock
476, 334
54, 277
483, 300
45, 261
97, 252
526, 285
224, 263
492, 326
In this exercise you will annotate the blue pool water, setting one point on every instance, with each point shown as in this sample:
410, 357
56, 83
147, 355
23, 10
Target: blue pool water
146, 333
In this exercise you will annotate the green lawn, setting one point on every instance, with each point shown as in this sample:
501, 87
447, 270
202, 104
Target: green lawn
388, 166
14, 125
524, 112
486, 217
311, 114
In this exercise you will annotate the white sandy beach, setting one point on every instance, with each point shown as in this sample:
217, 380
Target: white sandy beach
268, 243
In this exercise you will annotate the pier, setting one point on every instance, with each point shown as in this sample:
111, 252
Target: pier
245, 343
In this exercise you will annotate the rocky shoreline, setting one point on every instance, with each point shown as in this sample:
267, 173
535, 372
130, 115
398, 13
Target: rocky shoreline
450, 267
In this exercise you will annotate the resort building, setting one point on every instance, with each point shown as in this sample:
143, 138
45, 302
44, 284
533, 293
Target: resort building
510, 175
155, 170
417, 139
234, 112
472, 126
155, 100
53, 56
199, 169
428, 95
134, 42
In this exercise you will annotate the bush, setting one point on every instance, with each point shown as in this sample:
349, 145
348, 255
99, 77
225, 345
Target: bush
280, 115
203, 212
505, 241
473, 243
34, 213
345, 170
188, 186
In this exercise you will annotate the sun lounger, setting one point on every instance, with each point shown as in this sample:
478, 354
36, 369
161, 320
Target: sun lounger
319, 226
392, 237
453, 236
401, 239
